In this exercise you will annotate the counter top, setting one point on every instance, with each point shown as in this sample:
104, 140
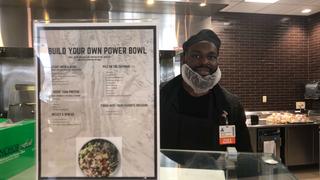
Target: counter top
263, 124
183, 165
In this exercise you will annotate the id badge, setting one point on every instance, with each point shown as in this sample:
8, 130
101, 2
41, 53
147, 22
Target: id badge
227, 134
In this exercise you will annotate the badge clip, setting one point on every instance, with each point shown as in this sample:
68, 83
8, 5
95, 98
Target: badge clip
225, 116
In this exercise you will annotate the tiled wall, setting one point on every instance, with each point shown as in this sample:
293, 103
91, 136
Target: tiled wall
267, 55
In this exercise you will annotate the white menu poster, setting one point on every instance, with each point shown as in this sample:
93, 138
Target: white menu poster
96, 100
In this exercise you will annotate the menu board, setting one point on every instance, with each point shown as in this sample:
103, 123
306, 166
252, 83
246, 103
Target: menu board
96, 100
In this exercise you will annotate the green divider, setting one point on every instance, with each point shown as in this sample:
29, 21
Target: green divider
17, 148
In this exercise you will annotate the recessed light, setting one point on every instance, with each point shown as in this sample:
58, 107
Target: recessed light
305, 11
262, 1
203, 4
150, 2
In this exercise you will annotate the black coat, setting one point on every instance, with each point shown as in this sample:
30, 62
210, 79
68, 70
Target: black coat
179, 131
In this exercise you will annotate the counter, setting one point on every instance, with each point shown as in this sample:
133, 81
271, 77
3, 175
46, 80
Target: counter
294, 143
17, 151
194, 165
263, 124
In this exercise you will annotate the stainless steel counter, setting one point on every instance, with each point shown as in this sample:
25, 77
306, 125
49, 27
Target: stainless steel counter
263, 124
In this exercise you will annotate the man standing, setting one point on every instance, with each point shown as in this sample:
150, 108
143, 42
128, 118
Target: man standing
196, 113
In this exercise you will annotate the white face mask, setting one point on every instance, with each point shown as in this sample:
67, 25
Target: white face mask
198, 83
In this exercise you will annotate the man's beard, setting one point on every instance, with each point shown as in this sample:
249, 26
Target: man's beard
200, 84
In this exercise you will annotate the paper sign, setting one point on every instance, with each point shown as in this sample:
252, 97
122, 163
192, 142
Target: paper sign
97, 100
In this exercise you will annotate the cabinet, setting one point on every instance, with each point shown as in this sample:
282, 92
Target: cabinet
301, 145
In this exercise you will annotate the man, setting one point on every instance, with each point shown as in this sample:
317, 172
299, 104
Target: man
196, 113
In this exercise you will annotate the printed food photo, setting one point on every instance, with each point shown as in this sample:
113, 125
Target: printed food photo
99, 158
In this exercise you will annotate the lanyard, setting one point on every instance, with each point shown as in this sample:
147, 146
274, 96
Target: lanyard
224, 116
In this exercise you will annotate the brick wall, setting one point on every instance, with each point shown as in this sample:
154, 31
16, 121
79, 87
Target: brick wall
265, 55
314, 46
314, 53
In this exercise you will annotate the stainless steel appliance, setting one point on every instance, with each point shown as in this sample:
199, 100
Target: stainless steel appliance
312, 90
24, 106
19, 112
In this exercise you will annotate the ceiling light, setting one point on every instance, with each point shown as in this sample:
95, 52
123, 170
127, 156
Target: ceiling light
262, 1
150, 2
203, 4
284, 20
46, 16
305, 11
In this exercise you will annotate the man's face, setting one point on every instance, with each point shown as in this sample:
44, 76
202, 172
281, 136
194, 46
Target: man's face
202, 57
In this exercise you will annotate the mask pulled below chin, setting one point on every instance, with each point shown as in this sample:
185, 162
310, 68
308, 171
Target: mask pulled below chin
200, 84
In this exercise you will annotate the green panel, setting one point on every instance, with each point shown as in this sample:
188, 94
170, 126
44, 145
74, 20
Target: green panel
17, 148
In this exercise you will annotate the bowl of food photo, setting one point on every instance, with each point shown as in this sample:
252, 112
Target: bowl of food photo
99, 158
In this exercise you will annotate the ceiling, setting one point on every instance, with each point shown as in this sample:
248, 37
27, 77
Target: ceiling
282, 7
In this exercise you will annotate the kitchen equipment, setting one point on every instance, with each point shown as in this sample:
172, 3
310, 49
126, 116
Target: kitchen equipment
3, 114
314, 113
19, 112
312, 90
26, 93
22, 106
254, 119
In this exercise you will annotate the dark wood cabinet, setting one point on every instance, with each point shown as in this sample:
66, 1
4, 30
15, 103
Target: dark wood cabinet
301, 145
299, 142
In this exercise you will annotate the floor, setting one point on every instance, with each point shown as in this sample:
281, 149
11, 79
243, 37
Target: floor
306, 172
